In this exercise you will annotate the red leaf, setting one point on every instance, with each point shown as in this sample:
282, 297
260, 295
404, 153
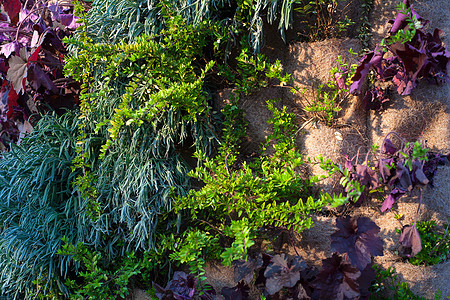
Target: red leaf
12, 101
34, 56
12, 8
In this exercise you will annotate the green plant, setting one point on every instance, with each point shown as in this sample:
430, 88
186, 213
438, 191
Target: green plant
195, 248
326, 106
144, 98
435, 244
329, 97
323, 19
146, 102
414, 151
39, 207
364, 30
409, 31
238, 200
388, 279
115, 20
99, 279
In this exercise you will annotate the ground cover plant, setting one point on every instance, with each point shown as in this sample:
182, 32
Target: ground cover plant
238, 200
39, 207
397, 170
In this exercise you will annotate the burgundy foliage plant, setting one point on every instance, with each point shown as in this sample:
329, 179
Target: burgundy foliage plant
31, 63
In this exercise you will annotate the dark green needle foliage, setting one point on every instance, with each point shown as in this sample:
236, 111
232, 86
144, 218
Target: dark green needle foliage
39, 206
126, 19
115, 20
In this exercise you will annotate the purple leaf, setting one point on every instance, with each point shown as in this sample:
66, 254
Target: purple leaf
341, 77
413, 61
358, 238
410, 239
366, 63
403, 83
401, 22
183, 284
69, 20
27, 19
244, 270
402, 177
348, 164
384, 167
338, 279
4, 91
52, 42
239, 292
366, 176
8, 49
393, 196
418, 176
181, 287
365, 281
37, 78
375, 99
284, 271
430, 166
388, 147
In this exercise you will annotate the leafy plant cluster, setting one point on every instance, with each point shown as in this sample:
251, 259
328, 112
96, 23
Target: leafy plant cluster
184, 286
397, 170
348, 274
31, 64
101, 279
241, 197
329, 97
125, 20
435, 244
323, 19
388, 280
364, 30
112, 178
146, 97
283, 276
415, 53
39, 207
146, 103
